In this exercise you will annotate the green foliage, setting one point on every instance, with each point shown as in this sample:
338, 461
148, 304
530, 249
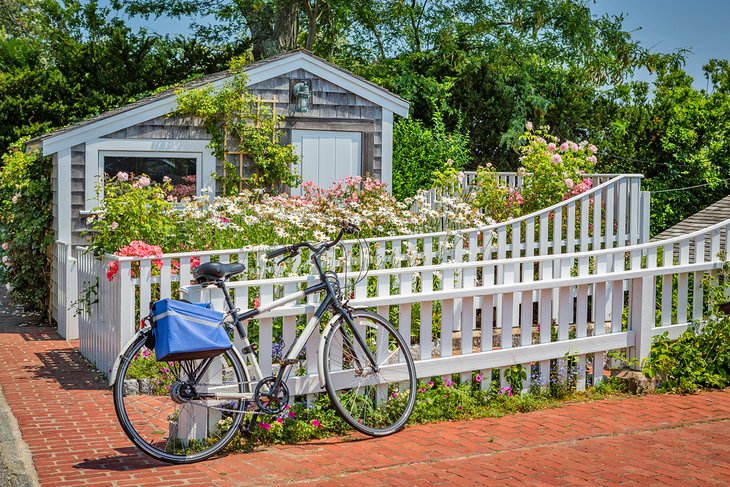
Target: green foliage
25, 225
498, 65
231, 111
515, 375
144, 366
64, 62
496, 200
700, 357
297, 423
418, 151
132, 211
678, 138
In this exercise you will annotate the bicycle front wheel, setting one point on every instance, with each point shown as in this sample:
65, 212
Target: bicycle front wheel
374, 398
180, 412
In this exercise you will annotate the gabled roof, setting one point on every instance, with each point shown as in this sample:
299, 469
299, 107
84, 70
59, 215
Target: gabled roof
712, 215
715, 213
166, 101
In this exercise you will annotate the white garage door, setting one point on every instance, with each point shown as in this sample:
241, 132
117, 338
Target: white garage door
327, 156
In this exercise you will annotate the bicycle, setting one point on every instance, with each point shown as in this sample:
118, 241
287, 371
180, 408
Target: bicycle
188, 411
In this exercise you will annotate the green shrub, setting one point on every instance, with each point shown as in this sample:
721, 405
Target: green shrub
700, 357
418, 151
25, 225
551, 172
131, 209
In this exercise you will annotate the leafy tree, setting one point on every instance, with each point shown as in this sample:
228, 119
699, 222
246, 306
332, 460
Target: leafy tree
66, 63
498, 64
272, 26
679, 138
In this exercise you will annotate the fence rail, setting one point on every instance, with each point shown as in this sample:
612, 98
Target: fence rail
507, 179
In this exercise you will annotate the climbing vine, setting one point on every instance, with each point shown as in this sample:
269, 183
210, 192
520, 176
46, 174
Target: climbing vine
232, 115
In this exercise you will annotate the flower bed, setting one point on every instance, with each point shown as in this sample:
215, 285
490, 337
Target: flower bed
139, 218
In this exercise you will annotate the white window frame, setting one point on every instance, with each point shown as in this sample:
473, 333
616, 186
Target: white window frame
97, 149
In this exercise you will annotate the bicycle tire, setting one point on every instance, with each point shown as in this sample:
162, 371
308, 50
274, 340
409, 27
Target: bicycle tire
153, 419
374, 402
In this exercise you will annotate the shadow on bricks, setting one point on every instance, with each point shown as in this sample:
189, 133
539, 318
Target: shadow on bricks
128, 459
68, 368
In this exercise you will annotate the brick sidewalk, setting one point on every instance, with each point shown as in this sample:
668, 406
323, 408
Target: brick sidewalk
67, 418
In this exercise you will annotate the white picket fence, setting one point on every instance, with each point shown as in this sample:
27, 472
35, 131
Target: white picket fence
473, 317
612, 214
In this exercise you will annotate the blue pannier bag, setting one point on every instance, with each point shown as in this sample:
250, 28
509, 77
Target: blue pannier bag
187, 331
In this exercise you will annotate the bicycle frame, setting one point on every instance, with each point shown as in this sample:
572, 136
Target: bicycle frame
330, 300
290, 358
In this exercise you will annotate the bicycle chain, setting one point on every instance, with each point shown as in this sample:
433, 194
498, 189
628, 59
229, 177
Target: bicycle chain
227, 410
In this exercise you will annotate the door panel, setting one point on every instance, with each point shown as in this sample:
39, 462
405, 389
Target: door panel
327, 156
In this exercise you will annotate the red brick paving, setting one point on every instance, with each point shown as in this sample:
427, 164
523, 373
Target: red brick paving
67, 418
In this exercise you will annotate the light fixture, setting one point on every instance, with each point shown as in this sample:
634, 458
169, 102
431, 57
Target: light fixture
303, 95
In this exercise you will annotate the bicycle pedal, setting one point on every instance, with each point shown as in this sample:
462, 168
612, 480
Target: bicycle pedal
291, 361
248, 428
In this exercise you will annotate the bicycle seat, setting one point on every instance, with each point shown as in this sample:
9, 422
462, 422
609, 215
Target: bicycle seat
214, 271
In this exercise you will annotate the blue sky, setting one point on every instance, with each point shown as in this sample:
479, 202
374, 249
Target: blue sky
668, 25
662, 25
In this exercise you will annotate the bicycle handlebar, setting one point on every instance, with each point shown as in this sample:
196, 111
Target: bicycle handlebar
293, 250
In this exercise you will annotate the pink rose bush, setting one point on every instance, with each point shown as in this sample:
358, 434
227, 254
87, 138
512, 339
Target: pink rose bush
136, 248
551, 171
556, 169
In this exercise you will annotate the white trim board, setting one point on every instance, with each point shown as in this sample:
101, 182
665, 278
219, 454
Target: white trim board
205, 160
256, 74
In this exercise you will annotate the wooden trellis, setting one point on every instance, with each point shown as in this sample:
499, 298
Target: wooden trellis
238, 155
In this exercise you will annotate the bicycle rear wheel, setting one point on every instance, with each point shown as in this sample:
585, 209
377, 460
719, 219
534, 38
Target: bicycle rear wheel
169, 411
375, 399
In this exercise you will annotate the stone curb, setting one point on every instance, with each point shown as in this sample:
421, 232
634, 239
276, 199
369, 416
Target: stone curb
16, 461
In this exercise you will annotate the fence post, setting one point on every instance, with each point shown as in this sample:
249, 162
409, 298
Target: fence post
126, 311
641, 319
645, 219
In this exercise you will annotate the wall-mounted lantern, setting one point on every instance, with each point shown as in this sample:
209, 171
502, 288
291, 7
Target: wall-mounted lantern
302, 94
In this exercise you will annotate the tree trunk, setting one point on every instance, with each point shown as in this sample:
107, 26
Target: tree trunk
312, 14
274, 25
287, 24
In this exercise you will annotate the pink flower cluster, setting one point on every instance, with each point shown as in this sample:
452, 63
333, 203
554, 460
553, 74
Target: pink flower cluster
136, 248
514, 198
350, 189
142, 182
577, 188
175, 264
186, 189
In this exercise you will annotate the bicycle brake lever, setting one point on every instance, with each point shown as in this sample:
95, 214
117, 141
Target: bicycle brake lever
292, 253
